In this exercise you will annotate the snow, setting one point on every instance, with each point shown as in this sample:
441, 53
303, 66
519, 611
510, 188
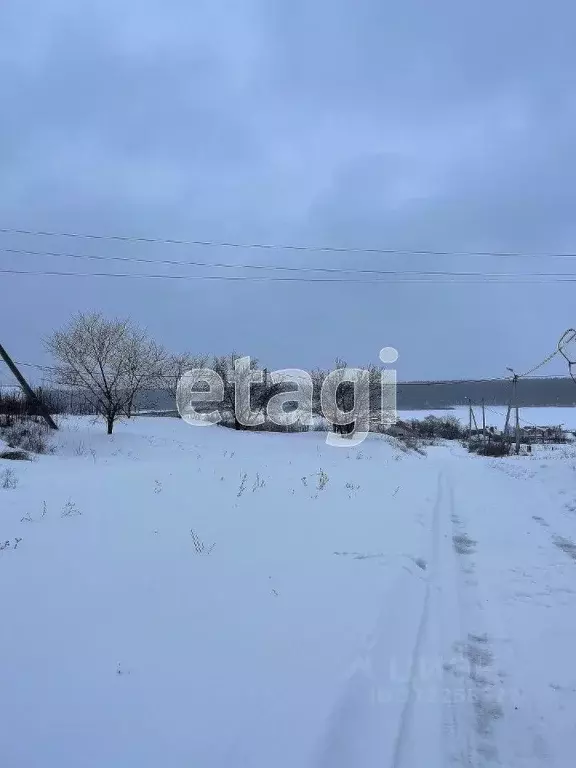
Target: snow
335, 607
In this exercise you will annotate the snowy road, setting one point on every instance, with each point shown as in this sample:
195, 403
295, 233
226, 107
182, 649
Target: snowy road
332, 609
491, 679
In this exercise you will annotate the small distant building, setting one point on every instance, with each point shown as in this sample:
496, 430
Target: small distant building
536, 434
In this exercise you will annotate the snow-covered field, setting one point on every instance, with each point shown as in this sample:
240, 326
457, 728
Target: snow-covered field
178, 596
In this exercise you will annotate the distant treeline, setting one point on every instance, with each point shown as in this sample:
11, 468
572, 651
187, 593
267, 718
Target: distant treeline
417, 396
410, 396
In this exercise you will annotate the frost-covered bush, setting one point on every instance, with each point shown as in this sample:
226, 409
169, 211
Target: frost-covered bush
27, 436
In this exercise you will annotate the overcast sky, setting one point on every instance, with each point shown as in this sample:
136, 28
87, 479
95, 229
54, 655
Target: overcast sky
444, 126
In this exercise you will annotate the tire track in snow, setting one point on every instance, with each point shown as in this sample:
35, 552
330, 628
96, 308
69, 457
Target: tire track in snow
476, 709
406, 721
508, 723
448, 715
523, 735
374, 720
465, 714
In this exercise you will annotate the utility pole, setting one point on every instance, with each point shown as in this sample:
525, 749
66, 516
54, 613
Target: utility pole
28, 391
474, 419
517, 430
511, 405
514, 404
505, 432
483, 421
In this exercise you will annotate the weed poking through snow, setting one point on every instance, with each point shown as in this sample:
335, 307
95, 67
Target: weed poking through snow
70, 509
242, 488
80, 449
352, 489
6, 544
199, 547
28, 517
8, 479
322, 480
258, 483
273, 590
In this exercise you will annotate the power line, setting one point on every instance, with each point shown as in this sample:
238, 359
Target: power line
544, 362
550, 357
277, 267
398, 277
426, 382
474, 381
281, 246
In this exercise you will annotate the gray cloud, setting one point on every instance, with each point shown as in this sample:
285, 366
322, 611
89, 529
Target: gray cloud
444, 126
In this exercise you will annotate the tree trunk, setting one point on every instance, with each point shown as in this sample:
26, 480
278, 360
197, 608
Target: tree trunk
129, 406
110, 424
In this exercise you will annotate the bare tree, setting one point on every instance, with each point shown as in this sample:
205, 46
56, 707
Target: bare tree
345, 398
145, 362
266, 389
175, 366
233, 377
107, 360
318, 376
